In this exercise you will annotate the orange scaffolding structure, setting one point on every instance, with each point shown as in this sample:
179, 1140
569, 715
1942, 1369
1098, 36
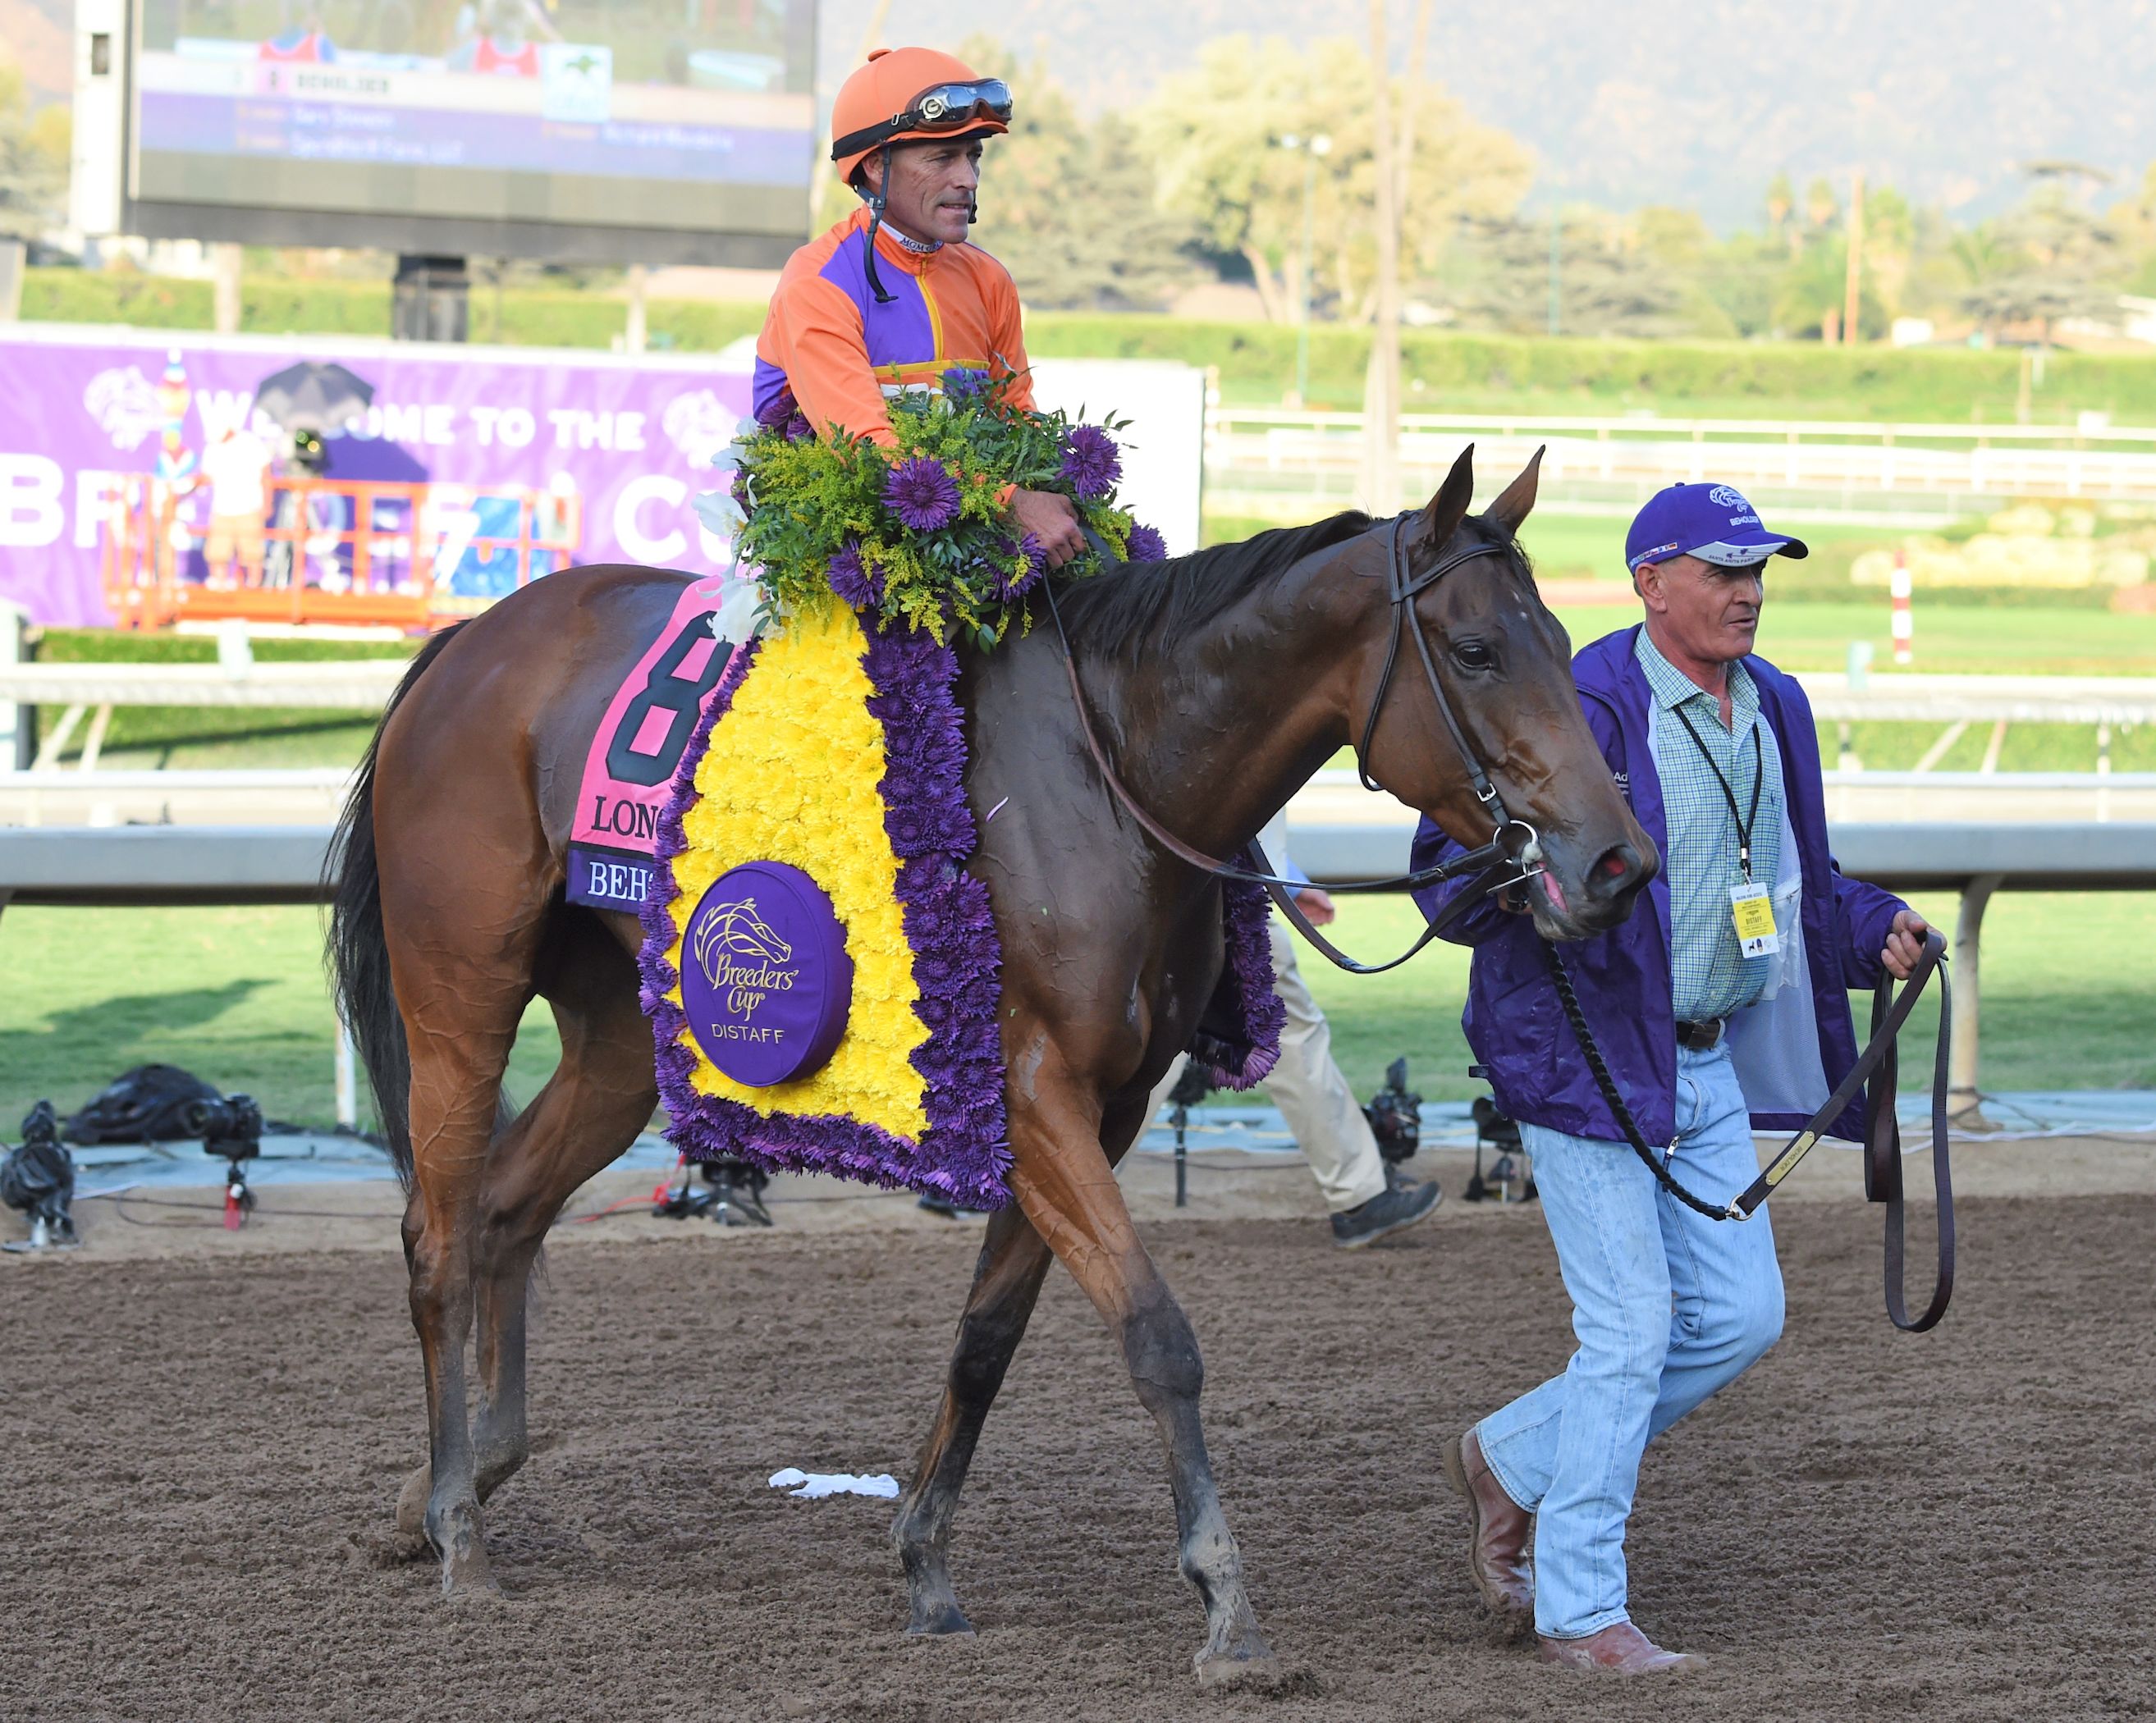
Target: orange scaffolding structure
370, 551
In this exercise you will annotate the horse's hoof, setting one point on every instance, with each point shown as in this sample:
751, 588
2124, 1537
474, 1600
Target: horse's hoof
1247, 1667
466, 1573
468, 1579
938, 1619
411, 1501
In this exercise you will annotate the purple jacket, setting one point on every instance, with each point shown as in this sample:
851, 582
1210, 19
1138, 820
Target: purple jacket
1790, 1048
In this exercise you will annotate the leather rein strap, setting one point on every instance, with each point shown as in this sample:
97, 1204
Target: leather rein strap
1251, 866
1882, 1138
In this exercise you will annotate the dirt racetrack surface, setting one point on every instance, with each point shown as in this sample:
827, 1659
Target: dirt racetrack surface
201, 1458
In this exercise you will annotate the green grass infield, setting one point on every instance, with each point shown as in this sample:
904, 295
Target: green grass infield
237, 997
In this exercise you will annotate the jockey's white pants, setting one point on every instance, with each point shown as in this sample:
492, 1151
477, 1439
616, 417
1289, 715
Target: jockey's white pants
1312, 1095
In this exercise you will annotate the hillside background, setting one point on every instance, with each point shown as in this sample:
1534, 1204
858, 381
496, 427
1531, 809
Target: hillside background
1693, 103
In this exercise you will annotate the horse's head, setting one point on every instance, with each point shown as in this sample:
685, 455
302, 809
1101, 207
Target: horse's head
1504, 665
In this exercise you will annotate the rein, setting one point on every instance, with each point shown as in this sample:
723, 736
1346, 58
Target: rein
1514, 844
1882, 1133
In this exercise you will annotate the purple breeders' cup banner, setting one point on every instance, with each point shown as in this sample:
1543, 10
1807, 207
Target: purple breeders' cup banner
632, 440
766, 982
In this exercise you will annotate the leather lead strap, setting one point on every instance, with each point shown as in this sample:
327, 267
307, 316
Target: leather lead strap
1882, 1144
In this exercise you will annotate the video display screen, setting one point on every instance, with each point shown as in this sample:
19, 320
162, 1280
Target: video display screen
667, 114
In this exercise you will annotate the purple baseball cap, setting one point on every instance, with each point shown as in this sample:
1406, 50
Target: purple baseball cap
1712, 522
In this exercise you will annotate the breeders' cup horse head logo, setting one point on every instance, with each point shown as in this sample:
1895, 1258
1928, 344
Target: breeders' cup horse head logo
699, 424
1729, 497
124, 402
734, 930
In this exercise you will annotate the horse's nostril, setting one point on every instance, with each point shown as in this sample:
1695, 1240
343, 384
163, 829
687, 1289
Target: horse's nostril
1616, 871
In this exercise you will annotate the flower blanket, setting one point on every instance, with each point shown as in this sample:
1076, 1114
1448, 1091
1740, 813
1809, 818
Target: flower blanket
838, 748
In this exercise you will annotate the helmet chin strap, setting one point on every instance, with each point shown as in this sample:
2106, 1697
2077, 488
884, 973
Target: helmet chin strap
875, 221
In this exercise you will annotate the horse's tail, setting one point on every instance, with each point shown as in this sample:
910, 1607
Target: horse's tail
359, 951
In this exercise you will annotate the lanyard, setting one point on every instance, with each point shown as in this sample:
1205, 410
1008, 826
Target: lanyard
1745, 821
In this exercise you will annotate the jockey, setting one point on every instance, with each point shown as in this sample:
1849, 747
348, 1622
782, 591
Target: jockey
893, 296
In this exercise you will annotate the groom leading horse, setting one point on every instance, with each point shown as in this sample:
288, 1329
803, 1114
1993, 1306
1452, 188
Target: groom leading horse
1216, 684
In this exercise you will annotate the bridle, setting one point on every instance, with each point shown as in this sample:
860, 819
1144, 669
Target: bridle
1514, 850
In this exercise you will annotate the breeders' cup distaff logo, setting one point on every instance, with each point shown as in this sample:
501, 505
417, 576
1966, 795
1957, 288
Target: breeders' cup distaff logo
766, 982
739, 955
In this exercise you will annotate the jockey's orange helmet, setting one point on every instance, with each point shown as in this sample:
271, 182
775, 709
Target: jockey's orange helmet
906, 93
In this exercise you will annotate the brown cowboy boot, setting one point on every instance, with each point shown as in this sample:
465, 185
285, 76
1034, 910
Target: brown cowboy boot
1619, 1651
1499, 1530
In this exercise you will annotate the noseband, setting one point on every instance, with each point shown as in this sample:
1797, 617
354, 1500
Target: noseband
1514, 850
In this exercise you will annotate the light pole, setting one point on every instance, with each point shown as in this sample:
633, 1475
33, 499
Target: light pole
1311, 148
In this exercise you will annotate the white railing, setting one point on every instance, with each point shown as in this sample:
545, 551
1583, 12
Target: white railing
1262, 449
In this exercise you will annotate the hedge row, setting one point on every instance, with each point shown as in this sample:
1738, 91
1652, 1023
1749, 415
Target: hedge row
1256, 361
521, 317
1739, 378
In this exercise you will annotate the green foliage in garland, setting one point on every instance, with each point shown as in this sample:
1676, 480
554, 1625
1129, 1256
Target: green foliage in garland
918, 536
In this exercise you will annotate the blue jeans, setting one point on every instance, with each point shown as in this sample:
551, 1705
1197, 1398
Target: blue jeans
1667, 1307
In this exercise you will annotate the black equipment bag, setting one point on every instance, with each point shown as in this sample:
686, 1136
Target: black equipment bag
149, 1103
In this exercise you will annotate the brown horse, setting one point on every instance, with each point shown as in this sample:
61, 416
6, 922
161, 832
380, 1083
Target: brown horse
1218, 683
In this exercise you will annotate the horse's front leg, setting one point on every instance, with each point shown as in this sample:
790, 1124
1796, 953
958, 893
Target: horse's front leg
1063, 1180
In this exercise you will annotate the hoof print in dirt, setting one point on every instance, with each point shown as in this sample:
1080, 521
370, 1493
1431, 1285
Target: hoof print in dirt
386, 1549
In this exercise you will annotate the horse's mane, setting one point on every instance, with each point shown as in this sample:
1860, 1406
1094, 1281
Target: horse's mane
1159, 605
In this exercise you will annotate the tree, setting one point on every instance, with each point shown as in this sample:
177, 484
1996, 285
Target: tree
1070, 210
1211, 134
1781, 199
2046, 260
33, 160
1812, 287
1639, 277
1821, 206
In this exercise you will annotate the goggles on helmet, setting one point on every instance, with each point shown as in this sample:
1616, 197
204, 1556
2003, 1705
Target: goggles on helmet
940, 108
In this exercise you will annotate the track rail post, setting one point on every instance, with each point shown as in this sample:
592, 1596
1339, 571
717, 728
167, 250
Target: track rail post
1963, 1093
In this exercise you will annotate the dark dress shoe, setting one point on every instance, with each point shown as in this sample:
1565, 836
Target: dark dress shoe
1500, 1531
1618, 1650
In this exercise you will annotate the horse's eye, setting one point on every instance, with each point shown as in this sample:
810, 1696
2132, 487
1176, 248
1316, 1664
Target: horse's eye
1473, 655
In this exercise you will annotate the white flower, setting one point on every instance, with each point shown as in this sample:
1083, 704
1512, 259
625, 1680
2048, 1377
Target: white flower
718, 510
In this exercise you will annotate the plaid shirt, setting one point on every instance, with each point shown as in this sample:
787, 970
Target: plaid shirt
1709, 977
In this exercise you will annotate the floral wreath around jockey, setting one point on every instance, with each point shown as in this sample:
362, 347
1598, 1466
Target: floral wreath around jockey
917, 536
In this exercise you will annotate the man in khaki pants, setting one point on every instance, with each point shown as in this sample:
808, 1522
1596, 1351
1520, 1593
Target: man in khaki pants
236, 467
1313, 1096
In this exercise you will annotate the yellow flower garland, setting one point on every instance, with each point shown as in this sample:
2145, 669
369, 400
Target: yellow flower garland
792, 775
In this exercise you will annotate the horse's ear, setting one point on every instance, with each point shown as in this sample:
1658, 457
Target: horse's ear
1449, 507
1518, 499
